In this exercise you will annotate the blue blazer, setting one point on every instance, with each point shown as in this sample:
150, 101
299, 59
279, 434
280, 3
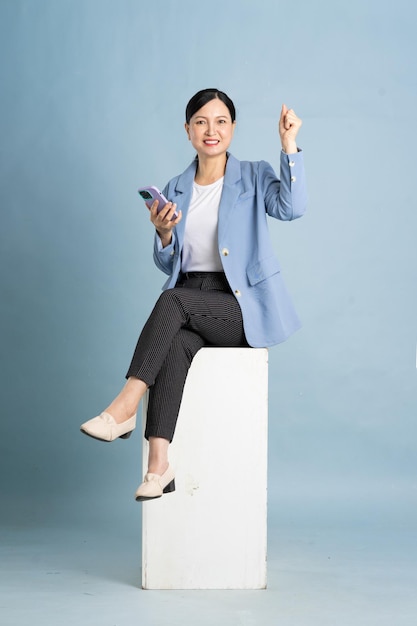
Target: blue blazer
251, 191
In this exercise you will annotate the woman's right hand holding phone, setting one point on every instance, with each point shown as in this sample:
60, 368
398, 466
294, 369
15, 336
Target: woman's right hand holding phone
164, 222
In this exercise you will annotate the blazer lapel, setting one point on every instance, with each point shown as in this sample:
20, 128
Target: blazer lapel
183, 195
231, 192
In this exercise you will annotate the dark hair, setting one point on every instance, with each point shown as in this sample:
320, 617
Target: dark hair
205, 95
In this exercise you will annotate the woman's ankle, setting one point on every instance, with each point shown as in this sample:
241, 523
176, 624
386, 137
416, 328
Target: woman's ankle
158, 467
158, 455
125, 405
121, 411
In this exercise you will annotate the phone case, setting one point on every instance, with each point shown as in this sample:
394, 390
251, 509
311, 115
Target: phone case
150, 194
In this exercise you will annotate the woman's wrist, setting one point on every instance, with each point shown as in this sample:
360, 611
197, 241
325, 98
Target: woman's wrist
289, 147
165, 238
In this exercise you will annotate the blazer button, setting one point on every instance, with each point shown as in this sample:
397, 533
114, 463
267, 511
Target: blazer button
237, 293
225, 252
172, 253
291, 163
293, 179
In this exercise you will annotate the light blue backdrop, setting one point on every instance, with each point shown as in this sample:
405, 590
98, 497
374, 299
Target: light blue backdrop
92, 102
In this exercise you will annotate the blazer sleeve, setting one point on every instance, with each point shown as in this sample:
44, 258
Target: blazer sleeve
285, 198
164, 257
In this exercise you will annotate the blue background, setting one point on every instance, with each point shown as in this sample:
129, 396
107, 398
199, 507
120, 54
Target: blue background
92, 107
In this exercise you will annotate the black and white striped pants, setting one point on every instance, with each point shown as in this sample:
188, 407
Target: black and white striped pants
200, 311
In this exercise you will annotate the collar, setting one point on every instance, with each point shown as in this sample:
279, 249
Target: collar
231, 176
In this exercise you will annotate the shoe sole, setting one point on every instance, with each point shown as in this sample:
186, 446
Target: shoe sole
125, 436
168, 489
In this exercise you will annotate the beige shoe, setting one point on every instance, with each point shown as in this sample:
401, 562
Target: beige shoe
105, 427
154, 485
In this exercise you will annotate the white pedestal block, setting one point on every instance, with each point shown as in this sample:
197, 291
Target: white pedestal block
211, 532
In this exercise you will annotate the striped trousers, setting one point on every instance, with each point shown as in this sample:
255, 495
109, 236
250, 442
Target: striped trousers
200, 311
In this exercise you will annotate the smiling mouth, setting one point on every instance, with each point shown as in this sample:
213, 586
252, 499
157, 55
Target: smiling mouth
211, 142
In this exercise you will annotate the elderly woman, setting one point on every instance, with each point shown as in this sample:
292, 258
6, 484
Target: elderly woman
224, 287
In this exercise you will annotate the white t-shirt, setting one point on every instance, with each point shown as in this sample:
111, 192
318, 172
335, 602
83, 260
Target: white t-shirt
200, 251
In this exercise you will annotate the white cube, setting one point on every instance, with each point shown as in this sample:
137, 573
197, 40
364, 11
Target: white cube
211, 533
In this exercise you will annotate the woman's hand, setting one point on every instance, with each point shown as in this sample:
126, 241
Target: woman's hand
163, 221
289, 125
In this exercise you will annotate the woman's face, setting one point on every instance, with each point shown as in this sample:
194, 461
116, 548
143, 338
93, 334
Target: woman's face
211, 129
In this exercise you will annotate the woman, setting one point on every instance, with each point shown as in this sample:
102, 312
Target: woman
224, 286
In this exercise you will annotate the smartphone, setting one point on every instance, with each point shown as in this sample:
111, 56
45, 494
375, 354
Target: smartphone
150, 194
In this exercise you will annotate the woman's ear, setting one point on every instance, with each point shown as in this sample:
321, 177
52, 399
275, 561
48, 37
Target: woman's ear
187, 130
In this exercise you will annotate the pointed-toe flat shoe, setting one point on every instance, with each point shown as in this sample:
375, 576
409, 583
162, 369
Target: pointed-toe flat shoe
105, 428
154, 486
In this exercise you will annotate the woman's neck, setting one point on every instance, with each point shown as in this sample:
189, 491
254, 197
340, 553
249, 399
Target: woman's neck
210, 170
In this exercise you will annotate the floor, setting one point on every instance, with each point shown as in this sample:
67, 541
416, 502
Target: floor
342, 576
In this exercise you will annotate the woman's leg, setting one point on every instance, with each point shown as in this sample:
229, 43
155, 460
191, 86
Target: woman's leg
214, 315
221, 325
156, 340
210, 314
182, 321
166, 394
158, 455
168, 388
127, 401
